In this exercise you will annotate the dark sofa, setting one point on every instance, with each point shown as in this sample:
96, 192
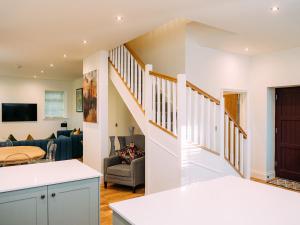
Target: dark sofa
77, 149
63, 151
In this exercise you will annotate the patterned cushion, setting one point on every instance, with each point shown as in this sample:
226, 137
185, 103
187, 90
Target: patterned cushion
130, 153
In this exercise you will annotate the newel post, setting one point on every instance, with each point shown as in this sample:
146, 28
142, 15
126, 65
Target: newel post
221, 128
148, 92
148, 115
181, 109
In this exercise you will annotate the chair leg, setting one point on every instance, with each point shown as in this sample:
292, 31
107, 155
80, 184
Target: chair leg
105, 185
133, 189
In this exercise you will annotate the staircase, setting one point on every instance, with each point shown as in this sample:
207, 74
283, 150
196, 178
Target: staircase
189, 135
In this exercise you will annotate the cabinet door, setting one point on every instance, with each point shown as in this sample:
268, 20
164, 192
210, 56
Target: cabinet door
27, 206
75, 203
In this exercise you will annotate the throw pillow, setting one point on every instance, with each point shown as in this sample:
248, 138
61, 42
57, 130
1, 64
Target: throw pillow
11, 138
52, 136
29, 138
130, 153
77, 132
73, 131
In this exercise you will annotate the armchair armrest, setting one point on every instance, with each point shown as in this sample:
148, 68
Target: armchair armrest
138, 170
111, 161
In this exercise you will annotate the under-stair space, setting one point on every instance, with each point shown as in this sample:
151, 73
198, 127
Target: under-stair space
189, 135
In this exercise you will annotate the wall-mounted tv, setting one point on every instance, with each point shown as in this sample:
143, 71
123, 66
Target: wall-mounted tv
16, 112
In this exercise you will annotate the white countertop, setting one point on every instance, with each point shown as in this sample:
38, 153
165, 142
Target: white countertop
35, 175
226, 201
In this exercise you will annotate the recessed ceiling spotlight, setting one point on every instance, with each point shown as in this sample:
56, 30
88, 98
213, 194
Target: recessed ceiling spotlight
65, 55
42, 71
275, 9
84, 42
34, 76
247, 49
51, 65
119, 19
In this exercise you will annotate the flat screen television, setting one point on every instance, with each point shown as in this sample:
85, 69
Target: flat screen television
15, 112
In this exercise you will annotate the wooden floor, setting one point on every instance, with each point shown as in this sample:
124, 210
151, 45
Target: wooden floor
114, 193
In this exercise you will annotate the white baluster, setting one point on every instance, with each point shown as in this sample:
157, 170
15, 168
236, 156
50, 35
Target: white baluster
139, 84
132, 73
163, 94
241, 153
135, 79
195, 117
237, 148
212, 125
115, 57
169, 105
207, 124
128, 69
202, 120
174, 121
119, 59
125, 65
231, 141
158, 117
154, 113
143, 88
121, 62
226, 149
189, 114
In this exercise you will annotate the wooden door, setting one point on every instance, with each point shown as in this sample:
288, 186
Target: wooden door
231, 102
74, 203
287, 157
24, 207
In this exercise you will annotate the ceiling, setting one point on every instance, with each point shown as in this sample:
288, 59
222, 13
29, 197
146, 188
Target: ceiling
37, 33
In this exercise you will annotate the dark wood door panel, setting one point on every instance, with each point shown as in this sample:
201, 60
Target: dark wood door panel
288, 133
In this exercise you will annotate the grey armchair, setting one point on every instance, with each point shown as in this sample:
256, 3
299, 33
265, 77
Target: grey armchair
130, 175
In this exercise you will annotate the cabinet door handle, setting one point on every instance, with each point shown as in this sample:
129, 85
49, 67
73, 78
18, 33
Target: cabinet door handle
53, 195
43, 196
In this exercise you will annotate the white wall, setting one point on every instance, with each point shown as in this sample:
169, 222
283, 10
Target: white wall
279, 69
163, 48
77, 117
95, 142
22, 90
214, 70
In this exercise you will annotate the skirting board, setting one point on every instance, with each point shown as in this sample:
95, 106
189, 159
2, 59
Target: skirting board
263, 176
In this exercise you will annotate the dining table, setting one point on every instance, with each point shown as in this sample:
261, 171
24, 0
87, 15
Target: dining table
14, 155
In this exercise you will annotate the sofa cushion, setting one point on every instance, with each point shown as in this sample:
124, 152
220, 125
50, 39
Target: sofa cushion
122, 170
11, 138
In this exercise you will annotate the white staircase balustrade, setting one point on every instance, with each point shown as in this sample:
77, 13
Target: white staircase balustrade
174, 113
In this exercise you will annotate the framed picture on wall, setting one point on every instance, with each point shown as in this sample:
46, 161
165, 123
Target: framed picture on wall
79, 100
90, 97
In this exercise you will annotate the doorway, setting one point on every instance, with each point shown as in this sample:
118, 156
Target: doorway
287, 133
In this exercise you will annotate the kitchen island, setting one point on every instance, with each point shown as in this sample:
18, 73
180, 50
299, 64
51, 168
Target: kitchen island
53, 193
225, 201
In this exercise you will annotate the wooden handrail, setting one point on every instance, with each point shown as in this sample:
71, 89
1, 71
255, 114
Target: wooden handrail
163, 76
236, 125
201, 92
163, 129
135, 56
